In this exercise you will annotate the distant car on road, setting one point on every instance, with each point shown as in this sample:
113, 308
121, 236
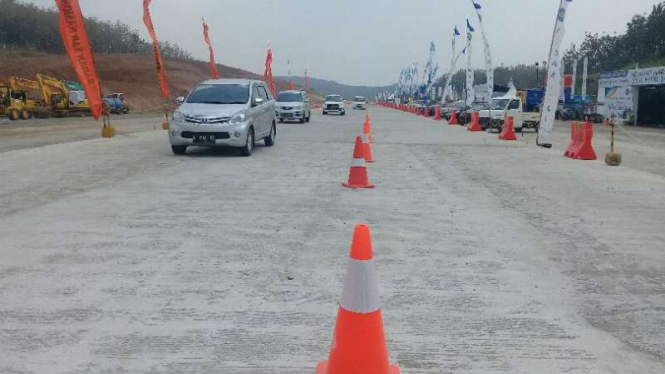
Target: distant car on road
224, 112
359, 102
334, 104
292, 105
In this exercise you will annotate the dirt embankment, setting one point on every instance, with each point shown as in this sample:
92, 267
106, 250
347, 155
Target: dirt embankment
132, 74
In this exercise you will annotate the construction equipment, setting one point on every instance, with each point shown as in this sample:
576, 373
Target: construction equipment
61, 99
21, 101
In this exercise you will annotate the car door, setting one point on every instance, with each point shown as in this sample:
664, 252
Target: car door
256, 112
266, 108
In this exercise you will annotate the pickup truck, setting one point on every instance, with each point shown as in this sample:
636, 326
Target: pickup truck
509, 105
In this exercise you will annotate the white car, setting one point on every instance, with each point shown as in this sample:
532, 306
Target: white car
293, 106
359, 102
334, 104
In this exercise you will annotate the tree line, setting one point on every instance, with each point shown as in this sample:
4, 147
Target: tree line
29, 27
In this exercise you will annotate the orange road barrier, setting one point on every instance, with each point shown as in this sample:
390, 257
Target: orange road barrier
453, 118
581, 147
508, 131
358, 177
359, 343
475, 122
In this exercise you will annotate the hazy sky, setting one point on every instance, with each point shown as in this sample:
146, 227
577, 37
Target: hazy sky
362, 41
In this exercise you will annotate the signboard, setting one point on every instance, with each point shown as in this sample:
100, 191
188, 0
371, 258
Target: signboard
618, 102
637, 77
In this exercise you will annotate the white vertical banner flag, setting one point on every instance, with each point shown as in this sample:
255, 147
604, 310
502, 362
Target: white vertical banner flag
470, 93
573, 90
554, 79
448, 90
489, 68
585, 75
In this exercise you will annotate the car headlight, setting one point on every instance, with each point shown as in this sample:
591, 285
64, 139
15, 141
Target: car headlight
238, 118
177, 116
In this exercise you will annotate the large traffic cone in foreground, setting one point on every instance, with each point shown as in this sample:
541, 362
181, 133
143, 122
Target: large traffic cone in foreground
508, 133
358, 177
359, 344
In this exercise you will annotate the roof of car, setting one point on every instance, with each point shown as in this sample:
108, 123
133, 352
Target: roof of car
291, 91
230, 81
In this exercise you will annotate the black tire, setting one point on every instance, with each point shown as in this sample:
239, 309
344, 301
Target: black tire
25, 115
309, 116
270, 139
246, 151
324, 112
343, 113
179, 149
302, 120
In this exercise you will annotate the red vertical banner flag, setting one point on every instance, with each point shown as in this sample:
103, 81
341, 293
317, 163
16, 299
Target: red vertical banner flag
213, 65
79, 50
161, 72
267, 75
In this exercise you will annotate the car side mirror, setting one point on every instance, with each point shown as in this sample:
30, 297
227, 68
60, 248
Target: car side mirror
307, 100
180, 100
258, 101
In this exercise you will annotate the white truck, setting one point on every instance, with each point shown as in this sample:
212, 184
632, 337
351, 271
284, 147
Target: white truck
503, 106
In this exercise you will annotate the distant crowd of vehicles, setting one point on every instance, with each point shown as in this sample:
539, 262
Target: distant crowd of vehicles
523, 105
46, 97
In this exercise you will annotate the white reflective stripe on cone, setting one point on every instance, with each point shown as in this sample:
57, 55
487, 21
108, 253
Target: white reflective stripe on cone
365, 138
358, 162
361, 289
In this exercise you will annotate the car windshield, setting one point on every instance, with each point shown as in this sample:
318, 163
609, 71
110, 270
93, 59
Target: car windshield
219, 94
289, 97
499, 104
359, 98
336, 98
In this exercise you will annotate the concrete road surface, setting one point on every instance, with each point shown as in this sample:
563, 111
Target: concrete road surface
493, 257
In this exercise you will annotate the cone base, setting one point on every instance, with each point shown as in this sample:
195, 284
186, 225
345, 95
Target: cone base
322, 368
354, 186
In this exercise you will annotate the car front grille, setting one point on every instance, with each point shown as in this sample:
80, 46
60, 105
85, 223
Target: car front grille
287, 108
333, 106
218, 135
206, 120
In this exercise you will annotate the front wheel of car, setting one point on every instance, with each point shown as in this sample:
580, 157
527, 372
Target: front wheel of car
179, 149
247, 149
270, 139
343, 112
302, 120
309, 117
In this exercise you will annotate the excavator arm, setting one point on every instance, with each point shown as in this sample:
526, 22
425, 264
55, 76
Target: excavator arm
17, 83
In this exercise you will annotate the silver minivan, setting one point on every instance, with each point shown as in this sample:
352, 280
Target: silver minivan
224, 112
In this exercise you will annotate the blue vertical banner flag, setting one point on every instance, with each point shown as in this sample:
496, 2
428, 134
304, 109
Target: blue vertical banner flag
470, 93
489, 67
554, 78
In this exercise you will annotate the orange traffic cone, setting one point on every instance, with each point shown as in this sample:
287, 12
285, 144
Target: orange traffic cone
367, 148
437, 114
358, 177
367, 129
475, 122
359, 344
453, 118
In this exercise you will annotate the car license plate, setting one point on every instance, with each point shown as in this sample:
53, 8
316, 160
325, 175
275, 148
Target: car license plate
204, 138
287, 115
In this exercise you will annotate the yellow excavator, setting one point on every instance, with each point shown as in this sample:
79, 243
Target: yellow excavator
60, 98
21, 104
